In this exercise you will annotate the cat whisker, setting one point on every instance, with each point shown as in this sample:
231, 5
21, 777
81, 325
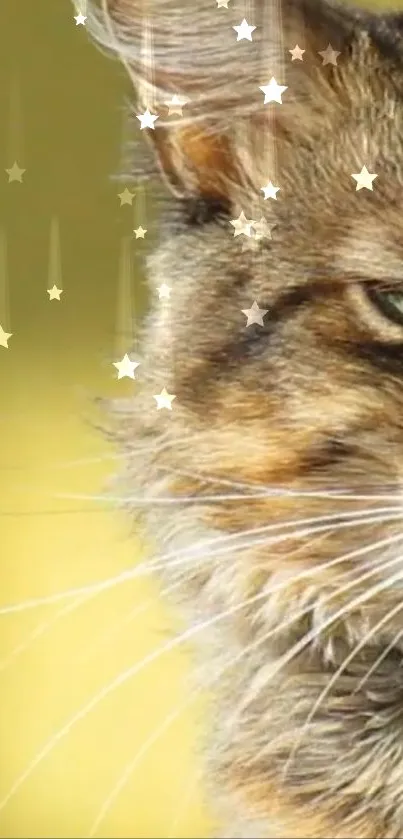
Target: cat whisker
148, 567
176, 713
125, 621
41, 629
172, 644
347, 493
270, 671
334, 678
118, 682
196, 498
64, 464
384, 654
184, 805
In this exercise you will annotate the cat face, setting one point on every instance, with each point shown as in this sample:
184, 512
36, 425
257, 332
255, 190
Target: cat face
310, 398
286, 434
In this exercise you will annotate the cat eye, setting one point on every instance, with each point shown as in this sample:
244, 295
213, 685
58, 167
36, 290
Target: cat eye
379, 309
388, 302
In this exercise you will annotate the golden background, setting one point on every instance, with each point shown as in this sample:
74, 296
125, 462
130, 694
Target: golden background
60, 101
61, 104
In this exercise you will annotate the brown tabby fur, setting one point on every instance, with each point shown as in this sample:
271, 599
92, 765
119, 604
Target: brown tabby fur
305, 414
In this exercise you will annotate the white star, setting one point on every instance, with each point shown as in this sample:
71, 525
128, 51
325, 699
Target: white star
164, 400
147, 119
242, 225
80, 19
297, 53
140, 232
54, 293
364, 179
270, 191
273, 91
329, 55
254, 314
15, 173
126, 197
262, 229
125, 367
222, 4
164, 291
244, 31
176, 104
4, 336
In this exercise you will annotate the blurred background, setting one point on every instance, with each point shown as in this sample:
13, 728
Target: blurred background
63, 121
62, 753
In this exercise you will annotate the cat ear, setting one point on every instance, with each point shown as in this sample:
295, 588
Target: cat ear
226, 132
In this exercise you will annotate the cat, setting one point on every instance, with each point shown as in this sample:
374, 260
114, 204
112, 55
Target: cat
274, 477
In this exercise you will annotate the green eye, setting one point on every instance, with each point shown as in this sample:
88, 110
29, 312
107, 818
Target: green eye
390, 303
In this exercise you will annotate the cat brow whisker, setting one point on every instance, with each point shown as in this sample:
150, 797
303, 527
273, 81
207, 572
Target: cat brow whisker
148, 567
334, 678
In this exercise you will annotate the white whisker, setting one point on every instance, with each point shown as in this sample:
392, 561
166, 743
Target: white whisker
170, 719
332, 681
41, 629
193, 553
115, 684
272, 670
184, 805
125, 621
384, 654
174, 644
184, 554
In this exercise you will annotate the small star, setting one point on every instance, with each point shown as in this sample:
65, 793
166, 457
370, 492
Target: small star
329, 55
15, 173
254, 314
164, 291
262, 229
244, 31
54, 293
175, 105
242, 225
147, 120
273, 91
4, 336
126, 197
296, 53
126, 367
222, 4
270, 191
80, 19
164, 400
364, 179
140, 232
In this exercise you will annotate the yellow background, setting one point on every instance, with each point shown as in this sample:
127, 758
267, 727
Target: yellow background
52, 662
59, 357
